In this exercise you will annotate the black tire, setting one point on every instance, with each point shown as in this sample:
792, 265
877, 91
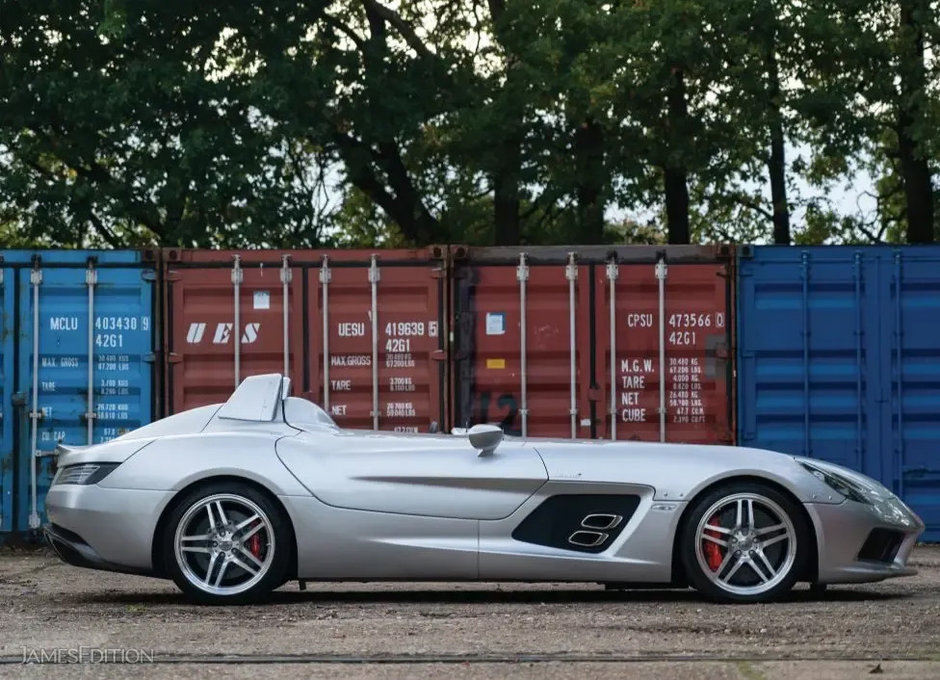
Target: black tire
226, 557
755, 564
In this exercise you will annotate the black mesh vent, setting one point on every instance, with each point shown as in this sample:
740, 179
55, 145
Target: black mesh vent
881, 545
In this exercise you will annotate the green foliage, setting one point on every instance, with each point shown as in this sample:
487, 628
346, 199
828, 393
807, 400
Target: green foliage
368, 123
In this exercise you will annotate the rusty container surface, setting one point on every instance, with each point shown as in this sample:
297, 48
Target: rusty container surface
360, 332
535, 330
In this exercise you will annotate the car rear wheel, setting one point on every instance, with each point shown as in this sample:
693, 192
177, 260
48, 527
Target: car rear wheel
744, 542
227, 543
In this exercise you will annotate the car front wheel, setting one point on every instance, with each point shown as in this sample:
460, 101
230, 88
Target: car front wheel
744, 542
227, 543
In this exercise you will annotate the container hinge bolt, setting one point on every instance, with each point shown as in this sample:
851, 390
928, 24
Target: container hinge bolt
522, 271
375, 274
89, 415
91, 276
325, 274
661, 269
237, 270
35, 415
571, 269
613, 271
286, 272
35, 276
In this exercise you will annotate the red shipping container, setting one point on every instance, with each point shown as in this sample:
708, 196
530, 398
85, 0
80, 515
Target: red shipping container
533, 341
362, 332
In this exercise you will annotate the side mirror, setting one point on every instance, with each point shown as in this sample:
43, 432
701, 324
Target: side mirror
485, 438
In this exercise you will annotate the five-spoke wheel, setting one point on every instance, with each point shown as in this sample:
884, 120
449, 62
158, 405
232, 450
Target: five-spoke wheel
227, 543
744, 542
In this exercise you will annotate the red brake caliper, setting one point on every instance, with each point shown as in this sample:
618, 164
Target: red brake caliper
254, 545
712, 550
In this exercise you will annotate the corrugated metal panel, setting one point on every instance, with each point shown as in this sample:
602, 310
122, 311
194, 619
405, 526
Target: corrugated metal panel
225, 320
838, 357
6, 412
65, 388
523, 376
383, 330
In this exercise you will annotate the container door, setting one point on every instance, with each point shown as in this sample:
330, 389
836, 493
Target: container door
810, 342
6, 408
669, 320
85, 342
376, 325
910, 317
522, 335
225, 321
534, 339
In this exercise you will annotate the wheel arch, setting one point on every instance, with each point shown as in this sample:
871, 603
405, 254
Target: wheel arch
156, 556
811, 568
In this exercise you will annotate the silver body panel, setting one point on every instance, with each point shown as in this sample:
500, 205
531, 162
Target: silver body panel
377, 505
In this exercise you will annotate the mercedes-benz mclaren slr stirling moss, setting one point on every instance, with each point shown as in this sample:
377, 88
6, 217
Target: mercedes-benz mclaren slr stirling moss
233, 500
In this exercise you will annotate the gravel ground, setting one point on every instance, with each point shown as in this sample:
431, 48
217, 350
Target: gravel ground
466, 630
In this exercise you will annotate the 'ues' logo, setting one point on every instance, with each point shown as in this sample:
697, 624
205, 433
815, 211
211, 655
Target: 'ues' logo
223, 333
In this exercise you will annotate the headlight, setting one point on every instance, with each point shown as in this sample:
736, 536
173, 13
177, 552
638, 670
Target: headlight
861, 489
86, 473
838, 483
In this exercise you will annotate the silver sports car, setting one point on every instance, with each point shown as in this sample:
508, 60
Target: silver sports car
233, 500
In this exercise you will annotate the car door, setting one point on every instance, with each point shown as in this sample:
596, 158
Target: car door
432, 476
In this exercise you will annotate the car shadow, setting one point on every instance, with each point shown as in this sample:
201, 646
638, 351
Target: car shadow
549, 595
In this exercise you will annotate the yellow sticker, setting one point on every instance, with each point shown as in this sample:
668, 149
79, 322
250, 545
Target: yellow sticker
496, 363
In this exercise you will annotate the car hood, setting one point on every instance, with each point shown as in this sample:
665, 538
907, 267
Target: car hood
676, 471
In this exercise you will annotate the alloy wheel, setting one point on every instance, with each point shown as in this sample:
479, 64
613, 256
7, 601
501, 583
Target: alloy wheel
224, 544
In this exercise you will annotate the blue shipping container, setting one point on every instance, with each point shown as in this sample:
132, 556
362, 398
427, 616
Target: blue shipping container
839, 359
6, 423
78, 364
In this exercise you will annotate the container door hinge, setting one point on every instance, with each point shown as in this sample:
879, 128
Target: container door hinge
661, 270
172, 276
173, 358
148, 275
438, 355
437, 273
149, 358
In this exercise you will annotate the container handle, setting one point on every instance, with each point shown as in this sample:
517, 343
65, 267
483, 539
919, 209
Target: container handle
522, 274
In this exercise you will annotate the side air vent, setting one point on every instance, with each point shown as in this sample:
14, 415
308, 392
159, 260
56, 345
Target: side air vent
587, 523
602, 521
587, 539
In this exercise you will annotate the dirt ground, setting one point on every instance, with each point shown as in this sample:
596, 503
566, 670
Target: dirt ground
50, 611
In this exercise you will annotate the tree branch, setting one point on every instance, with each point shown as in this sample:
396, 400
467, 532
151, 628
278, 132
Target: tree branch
403, 27
345, 30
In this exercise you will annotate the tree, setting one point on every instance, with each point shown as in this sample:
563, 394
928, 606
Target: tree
131, 124
872, 97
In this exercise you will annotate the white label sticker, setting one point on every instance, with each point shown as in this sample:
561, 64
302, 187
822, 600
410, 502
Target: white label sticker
262, 299
495, 323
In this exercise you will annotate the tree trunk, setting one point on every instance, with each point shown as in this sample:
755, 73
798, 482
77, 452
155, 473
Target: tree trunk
777, 163
676, 175
589, 161
915, 171
506, 174
506, 193
402, 204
